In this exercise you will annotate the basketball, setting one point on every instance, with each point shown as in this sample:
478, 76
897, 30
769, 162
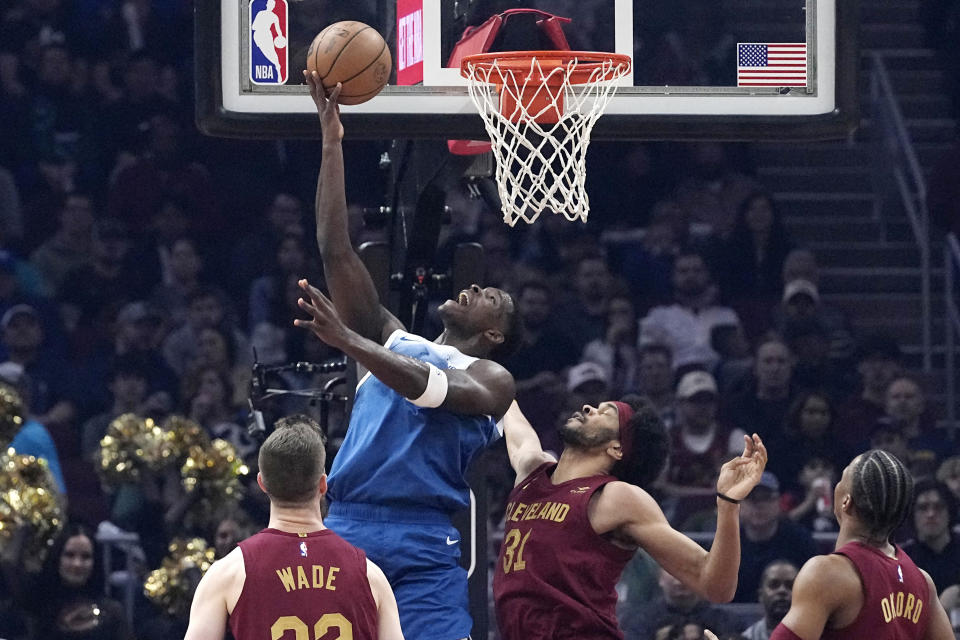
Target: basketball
354, 54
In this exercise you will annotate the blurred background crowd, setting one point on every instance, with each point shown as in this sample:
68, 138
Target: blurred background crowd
142, 265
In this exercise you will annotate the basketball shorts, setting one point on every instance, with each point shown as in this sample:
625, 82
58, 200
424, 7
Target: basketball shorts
419, 551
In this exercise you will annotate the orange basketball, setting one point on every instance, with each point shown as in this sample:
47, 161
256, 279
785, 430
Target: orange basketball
353, 54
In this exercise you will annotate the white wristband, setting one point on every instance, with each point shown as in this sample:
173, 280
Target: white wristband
436, 391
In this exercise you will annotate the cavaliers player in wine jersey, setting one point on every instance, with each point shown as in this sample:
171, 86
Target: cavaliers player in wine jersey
572, 524
867, 588
296, 579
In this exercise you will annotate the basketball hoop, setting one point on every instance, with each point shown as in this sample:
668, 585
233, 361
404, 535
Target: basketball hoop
539, 108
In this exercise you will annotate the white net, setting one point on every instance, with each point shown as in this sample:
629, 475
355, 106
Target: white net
541, 166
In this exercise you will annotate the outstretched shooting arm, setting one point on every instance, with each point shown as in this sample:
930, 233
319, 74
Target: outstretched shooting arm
351, 287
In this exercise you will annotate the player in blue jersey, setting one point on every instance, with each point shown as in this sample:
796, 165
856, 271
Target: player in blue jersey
421, 414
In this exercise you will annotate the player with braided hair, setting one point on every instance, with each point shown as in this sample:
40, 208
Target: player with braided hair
572, 524
868, 587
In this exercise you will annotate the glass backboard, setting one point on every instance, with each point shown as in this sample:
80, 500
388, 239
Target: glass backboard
729, 69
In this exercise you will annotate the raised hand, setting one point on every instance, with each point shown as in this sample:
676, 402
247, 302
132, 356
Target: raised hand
327, 107
324, 321
740, 475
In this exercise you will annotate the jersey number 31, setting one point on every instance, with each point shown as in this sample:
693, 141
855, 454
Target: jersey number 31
512, 555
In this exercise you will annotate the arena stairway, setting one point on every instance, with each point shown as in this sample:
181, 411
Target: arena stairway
870, 263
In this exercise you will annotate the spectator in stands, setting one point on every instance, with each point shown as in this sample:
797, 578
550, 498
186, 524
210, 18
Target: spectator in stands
676, 603
49, 388
24, 29
808, 433
800, 299
587, 383
585, 317
284, 215
766, 535
207, 395
70, 246
906, 407
762, 405
935, 549
878, 361
545, 346
233, 527
206, 311
714, 189
776, 586
73, 604
163, 169
498, 267
544, 246
181, 279
646, 264
56, 117
92, 293
656, 382
809, 342
15, 290
154, 508
752, 260
267, 295
639, 583
129, 110
950, 599
699, 443
889, 437
138, 330
43, 190
736, 357
172, 221
949, 474
215, 350
800, 266
128, 386
812, 504
686, 325
33, 439
617, 352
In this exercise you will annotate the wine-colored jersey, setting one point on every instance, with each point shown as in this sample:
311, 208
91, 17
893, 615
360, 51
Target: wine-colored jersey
896, 598
556, 578
302, 586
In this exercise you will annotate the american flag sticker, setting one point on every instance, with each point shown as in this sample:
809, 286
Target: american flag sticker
771, 64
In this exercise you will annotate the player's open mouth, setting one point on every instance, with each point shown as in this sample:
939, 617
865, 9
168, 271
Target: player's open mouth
463, 298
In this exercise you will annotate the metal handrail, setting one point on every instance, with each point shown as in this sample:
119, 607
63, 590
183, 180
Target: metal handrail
951, 265
897, 148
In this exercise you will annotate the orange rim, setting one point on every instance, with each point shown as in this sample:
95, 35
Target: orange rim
520, 62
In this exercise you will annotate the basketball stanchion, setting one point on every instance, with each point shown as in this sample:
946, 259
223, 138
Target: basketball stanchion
538, 108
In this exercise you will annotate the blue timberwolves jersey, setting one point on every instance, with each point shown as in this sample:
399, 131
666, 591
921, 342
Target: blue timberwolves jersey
398, 454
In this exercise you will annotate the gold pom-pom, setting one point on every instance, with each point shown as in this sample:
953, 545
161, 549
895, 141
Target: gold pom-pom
11, 414
213, 474
171, 586
180, 435
29, 496
131, 445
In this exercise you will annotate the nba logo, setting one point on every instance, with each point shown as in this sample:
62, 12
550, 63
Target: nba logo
303, 549
268, 42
